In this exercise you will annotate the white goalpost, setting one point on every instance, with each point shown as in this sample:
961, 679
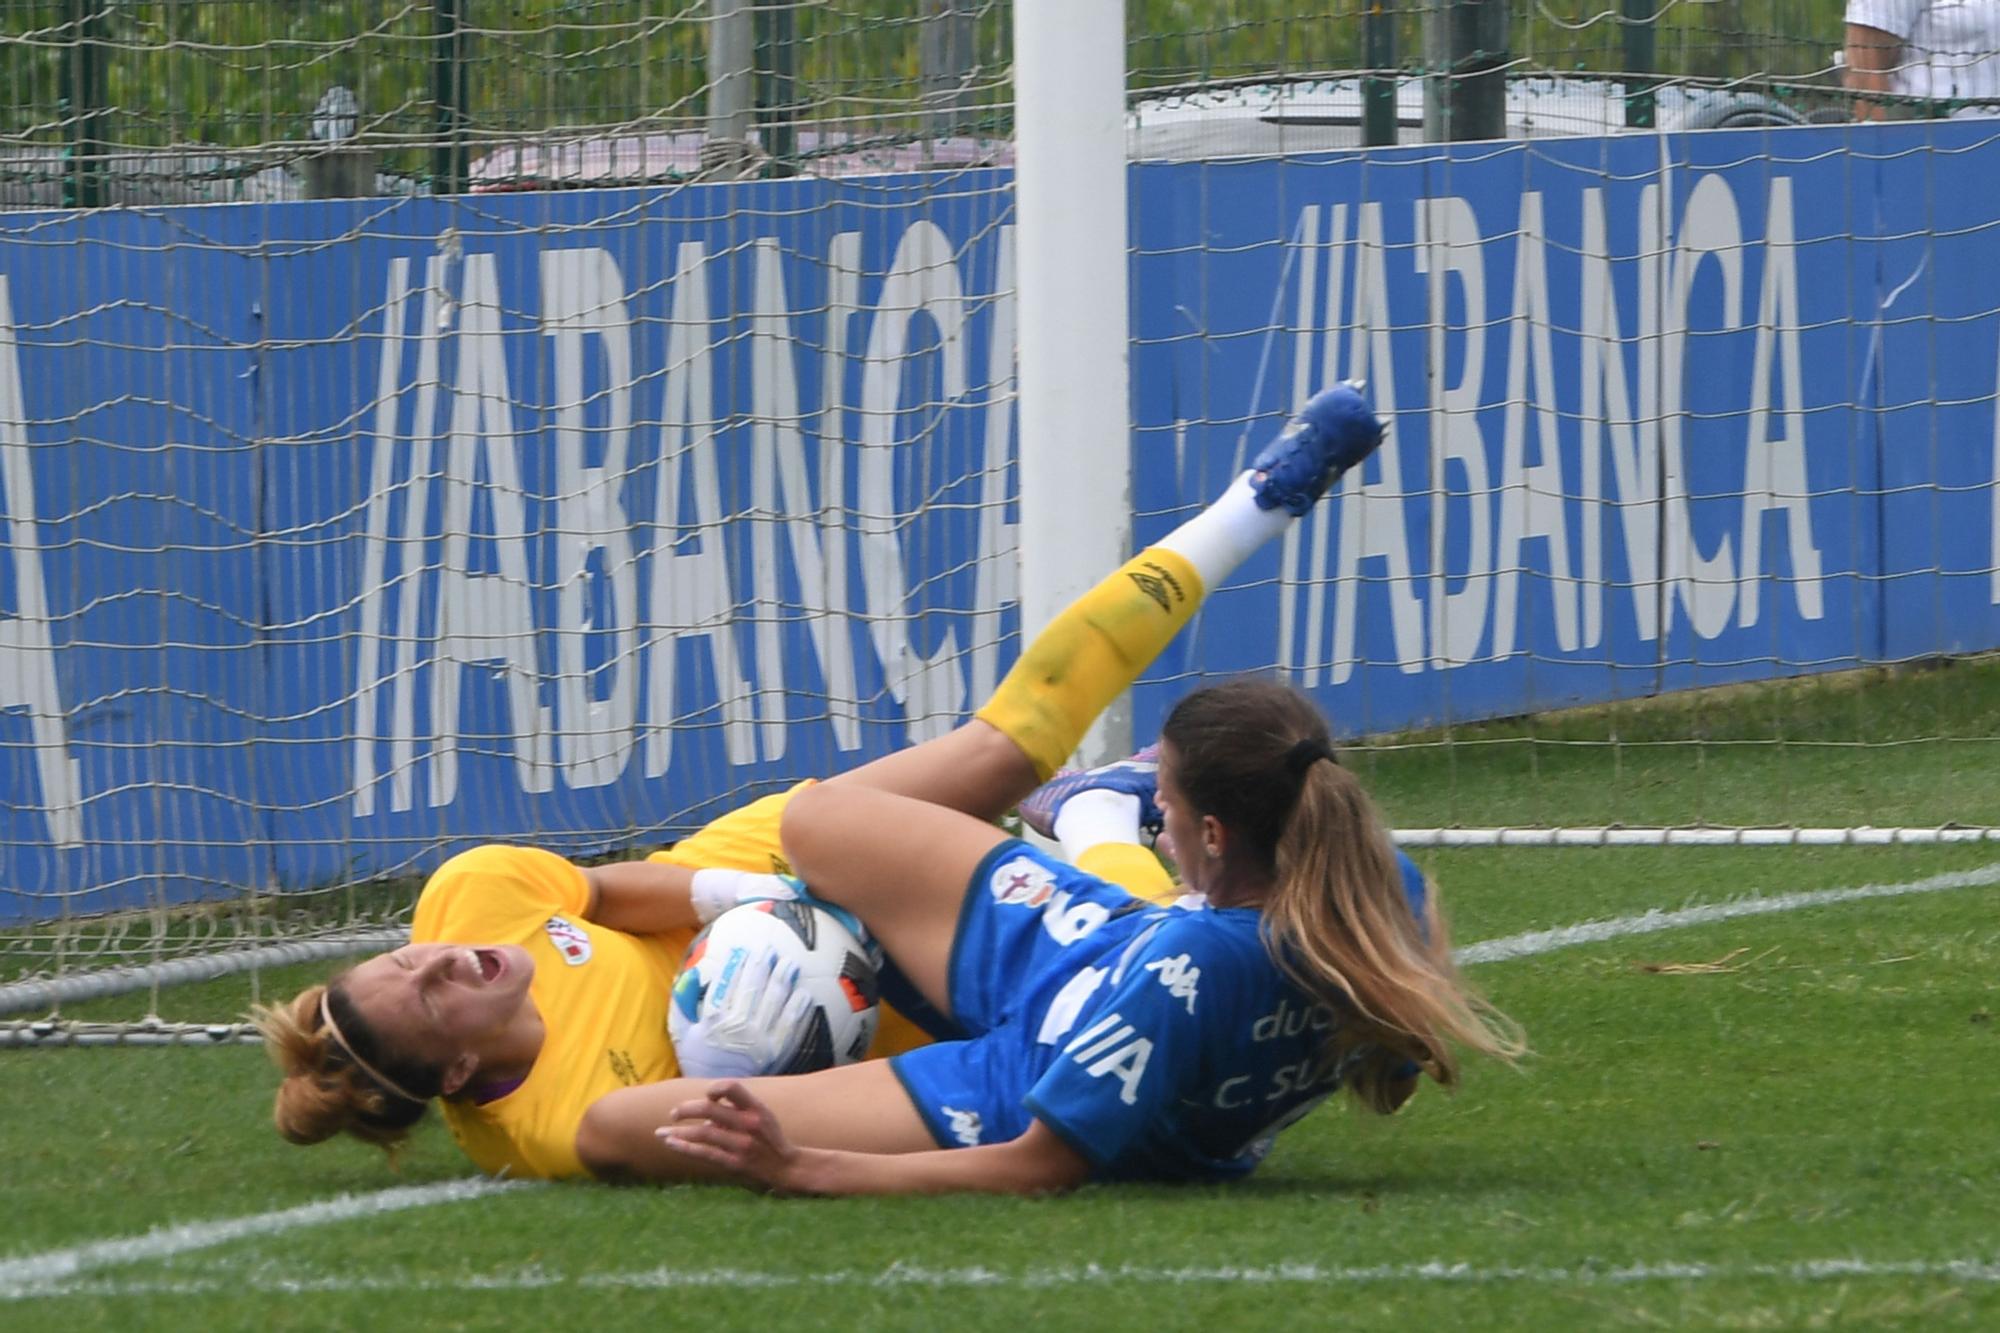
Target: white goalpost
1075, 387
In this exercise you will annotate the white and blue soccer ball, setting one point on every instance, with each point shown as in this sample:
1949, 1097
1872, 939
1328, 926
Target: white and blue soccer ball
839, 966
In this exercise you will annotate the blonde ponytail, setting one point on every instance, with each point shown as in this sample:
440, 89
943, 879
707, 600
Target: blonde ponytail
1336, 920
324, 1093
1339, 924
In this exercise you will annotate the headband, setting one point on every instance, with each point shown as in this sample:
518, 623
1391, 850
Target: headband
347, 1049
1304, 754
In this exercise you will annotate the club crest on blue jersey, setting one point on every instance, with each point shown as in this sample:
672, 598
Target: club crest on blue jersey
1022, 881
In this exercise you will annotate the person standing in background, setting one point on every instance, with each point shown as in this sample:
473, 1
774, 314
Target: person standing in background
1945, 51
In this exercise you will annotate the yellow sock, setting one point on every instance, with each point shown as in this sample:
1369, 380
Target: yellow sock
1091, 653
1132, 868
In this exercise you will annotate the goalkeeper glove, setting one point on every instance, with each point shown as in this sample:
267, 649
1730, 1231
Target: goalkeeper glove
754, 1026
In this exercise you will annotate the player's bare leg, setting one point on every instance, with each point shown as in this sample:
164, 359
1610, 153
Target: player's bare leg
897, 841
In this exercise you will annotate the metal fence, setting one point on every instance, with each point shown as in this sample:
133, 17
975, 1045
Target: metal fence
120, 101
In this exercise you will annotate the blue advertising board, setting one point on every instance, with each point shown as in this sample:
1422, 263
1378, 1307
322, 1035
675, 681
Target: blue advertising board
336, 537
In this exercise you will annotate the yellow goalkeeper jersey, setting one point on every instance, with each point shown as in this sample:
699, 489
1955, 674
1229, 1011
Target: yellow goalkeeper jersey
602, 993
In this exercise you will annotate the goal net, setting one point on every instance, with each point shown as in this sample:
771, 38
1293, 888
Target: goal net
424, 426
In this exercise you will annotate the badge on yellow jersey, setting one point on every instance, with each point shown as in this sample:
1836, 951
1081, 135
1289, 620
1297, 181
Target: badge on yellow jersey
570, 940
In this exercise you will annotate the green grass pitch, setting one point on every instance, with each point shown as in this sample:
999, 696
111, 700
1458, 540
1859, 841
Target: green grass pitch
1784, 1121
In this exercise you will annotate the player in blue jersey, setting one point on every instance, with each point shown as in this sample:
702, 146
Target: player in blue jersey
1086, 1033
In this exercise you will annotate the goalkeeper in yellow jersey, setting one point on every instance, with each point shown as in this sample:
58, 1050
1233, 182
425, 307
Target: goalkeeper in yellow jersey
534, 989
594, 949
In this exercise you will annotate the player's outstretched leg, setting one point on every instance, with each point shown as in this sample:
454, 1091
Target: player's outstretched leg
1093, 651
891, 841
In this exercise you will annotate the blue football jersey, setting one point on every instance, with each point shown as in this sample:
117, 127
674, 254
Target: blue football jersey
1190, 1052
1160, 1043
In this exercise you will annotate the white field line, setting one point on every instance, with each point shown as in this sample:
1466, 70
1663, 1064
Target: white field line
935, 1279
19, 1276
1619, 835
53, 1272
1648, 922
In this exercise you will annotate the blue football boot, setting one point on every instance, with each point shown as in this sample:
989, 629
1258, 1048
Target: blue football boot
1333, 432
1137, 776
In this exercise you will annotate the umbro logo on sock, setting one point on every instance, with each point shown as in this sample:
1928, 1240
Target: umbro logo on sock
1160, 585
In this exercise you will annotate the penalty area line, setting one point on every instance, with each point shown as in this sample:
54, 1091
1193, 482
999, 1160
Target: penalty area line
55, 1272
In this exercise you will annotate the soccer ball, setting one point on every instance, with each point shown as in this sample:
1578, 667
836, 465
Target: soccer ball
838, 965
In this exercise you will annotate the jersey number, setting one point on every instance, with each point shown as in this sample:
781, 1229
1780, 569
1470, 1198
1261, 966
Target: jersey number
1066, 924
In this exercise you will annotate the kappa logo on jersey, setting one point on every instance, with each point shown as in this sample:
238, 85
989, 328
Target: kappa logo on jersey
1111, 1046
570, 940
1023, 882
966, 1126
1178, 977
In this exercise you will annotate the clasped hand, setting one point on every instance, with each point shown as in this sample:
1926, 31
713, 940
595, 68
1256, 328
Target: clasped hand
731, 1128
